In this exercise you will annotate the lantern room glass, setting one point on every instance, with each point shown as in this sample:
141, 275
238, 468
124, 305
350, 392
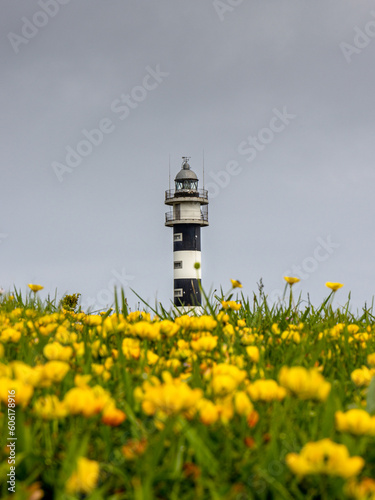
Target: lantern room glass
187, 184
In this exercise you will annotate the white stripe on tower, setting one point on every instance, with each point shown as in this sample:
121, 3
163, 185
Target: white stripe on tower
183, 264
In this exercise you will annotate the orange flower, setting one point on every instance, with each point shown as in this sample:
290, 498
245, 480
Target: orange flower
113, 416
134, 448
253, 418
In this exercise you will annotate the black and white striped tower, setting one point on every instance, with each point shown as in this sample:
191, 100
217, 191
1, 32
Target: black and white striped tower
189, 213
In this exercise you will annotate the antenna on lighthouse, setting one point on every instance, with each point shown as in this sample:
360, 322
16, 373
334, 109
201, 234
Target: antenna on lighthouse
203, 168
169, 171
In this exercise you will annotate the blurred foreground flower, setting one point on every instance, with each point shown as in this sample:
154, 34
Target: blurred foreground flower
356, 421
290, 280
324, 457
364, 490
85, 478
35, 288
171, 397
334, 286
304, 383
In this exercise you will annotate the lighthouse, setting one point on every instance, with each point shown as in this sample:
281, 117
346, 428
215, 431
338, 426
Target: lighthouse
188, 214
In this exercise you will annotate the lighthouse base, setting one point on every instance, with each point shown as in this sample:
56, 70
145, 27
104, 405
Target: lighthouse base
189, 310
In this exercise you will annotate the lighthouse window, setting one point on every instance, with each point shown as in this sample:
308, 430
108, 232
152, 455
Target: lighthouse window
187, 184
177, 237
178, 264
178, 292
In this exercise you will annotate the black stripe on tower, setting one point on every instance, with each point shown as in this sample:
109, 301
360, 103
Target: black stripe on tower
188, 291
186, 237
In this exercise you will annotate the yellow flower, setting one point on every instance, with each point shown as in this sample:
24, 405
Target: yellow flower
253, 353
236, 284
334, 286
363, 490
208, 412
151, 357
55, 351
87, 401
22, 392
242, 404
35, 288
85, 477
231, 304
50, 408
93, 320
168, 328
145, 330
131, 348
324, 457
205, 344
266, 390
275, 329
10, 335
226, 379
371, 359
203, 323
25, 373
169, 398
303, 383
355, 421
290, 280
82, 380
362, 376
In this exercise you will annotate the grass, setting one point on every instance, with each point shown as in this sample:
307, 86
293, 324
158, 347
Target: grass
162, 406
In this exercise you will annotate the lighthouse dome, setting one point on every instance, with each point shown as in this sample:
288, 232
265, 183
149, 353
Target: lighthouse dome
186, 180
186, 173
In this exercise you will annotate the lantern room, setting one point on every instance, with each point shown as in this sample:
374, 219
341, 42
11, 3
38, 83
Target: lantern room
186, 179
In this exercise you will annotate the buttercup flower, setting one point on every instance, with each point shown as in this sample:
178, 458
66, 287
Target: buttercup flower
50, 408
208, 412
266, 390
169, 398
324, 457
355, 421
290, 280
334, 286
113, 416
242, 404
85, 478
253, 353
22, 392
303, 383
134, 448
362, 376
35, 288
363, 490
231, 304
236, 284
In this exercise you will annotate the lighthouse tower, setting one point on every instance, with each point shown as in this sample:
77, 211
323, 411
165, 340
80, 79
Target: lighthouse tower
188, 214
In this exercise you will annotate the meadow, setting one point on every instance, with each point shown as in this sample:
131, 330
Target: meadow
245, 401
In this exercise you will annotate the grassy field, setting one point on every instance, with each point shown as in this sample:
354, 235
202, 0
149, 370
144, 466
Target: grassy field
246, 401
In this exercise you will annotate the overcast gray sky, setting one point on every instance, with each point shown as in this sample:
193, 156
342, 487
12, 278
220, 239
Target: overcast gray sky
221, 73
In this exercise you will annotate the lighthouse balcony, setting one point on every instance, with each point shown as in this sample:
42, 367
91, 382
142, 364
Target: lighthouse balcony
173, 196
174, 218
